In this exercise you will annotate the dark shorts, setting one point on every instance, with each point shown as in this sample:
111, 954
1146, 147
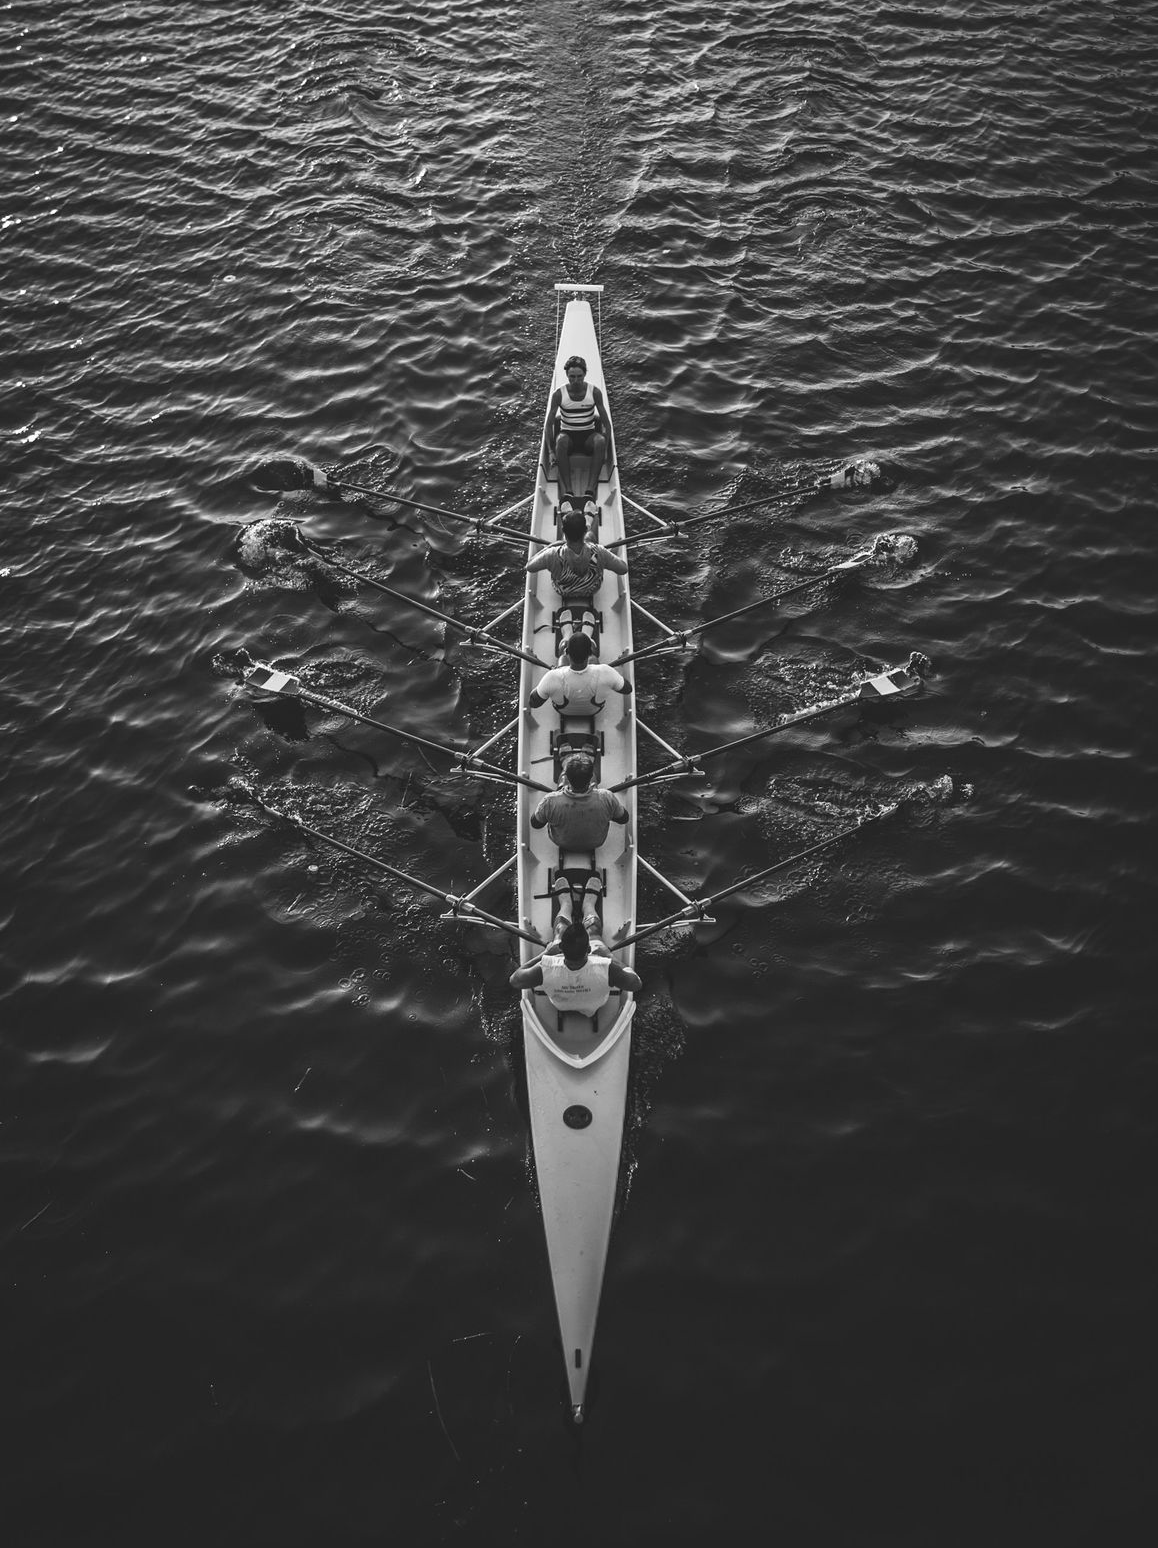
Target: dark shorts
577, 440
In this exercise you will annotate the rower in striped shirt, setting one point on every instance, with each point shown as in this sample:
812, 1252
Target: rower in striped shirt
578, 424
576, 566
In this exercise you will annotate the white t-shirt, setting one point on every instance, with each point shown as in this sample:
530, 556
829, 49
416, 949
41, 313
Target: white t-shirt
579, 693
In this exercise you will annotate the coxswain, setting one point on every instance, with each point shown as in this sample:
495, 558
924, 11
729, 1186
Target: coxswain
578, 424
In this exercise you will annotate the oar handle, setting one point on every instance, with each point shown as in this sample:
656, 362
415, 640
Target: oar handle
678, 769
468, 763
673, 529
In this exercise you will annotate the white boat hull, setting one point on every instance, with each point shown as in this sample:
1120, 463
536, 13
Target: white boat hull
577, 1069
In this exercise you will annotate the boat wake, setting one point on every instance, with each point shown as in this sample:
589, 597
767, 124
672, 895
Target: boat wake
800, 809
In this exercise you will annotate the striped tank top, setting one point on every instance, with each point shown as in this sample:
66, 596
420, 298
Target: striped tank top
577, 416
575, 575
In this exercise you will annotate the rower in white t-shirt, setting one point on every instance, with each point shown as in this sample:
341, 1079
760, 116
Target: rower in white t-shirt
576, 686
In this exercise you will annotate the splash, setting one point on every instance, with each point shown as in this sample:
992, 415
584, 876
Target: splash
267, 542
943, 791
232, 663
273, 550
896, 548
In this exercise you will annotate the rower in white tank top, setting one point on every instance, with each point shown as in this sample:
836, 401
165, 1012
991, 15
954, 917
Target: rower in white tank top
577, 970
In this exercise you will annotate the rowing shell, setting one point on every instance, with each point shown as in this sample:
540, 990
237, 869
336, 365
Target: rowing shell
577, 1065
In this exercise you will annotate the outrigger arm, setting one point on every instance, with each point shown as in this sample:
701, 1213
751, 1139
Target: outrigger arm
665, 881
681, 768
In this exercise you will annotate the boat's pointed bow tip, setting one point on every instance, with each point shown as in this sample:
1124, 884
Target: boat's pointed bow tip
577, 1413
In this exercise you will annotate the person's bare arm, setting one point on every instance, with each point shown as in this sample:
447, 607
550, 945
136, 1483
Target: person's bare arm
620, 977
528, 977
553, 418
604, 425
539, 562
610, 561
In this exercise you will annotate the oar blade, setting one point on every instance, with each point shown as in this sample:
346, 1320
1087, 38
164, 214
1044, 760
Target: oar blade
280, 475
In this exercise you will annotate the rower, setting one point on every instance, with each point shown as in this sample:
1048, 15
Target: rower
577, 686
573, 415
578, 816
577, 971
575, 565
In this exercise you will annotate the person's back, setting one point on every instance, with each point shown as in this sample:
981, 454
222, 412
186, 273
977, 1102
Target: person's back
576, 970
577, 686
583, 988
576, 566
579, 814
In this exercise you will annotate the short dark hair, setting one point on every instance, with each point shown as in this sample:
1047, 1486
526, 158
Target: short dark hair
576, 360
574, 525
579, 647
578, 769
574, 941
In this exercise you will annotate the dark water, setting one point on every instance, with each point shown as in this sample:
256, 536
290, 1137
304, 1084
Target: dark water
273, 1272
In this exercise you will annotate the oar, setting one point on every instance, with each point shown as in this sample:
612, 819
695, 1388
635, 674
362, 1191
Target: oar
474, 636
457, 905
295, 473
678, 640
896, 681
699, 906
269, 680
677, 527
860, 474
